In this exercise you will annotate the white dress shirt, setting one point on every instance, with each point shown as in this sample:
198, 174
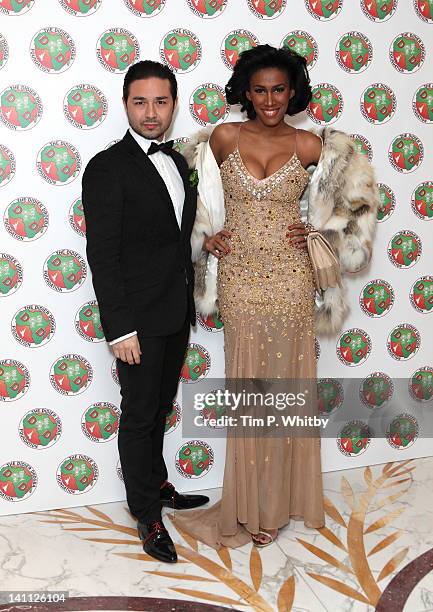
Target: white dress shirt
173, 181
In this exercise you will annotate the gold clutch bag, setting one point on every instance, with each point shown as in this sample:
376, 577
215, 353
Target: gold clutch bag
325, 264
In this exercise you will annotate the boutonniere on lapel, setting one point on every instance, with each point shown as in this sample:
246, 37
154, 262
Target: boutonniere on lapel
193, 178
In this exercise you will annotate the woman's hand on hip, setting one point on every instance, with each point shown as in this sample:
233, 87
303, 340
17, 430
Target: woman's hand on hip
217, 244
297, 234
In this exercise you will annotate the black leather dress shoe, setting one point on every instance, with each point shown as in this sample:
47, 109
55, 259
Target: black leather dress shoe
156, 541
179, 501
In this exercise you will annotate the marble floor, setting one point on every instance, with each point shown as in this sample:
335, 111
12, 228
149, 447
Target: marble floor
375, 553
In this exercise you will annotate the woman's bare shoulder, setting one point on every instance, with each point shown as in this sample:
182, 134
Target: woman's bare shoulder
309, 146
223, 139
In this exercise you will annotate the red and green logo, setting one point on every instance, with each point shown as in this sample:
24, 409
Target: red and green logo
15, 7
14, 380
77, 219
403, 342
58, 162
207, 9
422, 201
7, 165
304, 44
52, 50
21, 107
85, 106
11, 275
404, 249
88, 322
80, 8
213, 411
353, 347
40, 428
100, 422
324, 10
194, 459
376, 390
211, 323
422, 103
421, 384
208, 104
172, 419
26, 219
179, 144
424, 10
4, 51
406, 153
330, 395
180, 49
267, 9
362, 146
77, 474
421, 294
379, 10
235, 43
196, 364
71, 374
65, 270
402, 431
407, 52
33, 326
354, 438
18, 480
117, 49
354, 52
376, 298
326, 104
378, 103
387, 202
145, 8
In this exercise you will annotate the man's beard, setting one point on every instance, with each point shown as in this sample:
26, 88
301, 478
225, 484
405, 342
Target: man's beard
148, 134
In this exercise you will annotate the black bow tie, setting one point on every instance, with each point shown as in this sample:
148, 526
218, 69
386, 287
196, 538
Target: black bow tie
164, 147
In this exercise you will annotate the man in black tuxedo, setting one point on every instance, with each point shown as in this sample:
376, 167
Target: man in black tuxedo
140, 209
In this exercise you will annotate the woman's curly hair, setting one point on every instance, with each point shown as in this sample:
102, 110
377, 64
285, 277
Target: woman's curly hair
265, 56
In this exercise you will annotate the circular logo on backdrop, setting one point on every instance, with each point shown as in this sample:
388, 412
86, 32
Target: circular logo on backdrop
114, 372
422, 103
376, 390
379, 10
77, 219
7, 165
71, 374
179, 144
304, 44
80, 8
353, 347
11, 275
172, 419
406, 153
267, 9
64, 270
362, 146
194, 459
180, 49
422, 201
402, 431
85, 106
208, 104
326, 104
18, 480
117, 49
207, 9
387, 202
234, 44
4, 51
324, 9
26, 219
404, 249
33, 325
330, 395
145, 8
21, 107
421, 384
100, 422
196, 364
403, 342
77, 474
88, 322
421, 294
40, 428
354, 52
52, 50
407, 52
376, 298
354, 438
58, 162
424, 10
15, 7
14, 380
211, 323
378, 103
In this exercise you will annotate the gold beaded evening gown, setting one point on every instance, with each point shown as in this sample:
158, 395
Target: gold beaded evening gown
266, 301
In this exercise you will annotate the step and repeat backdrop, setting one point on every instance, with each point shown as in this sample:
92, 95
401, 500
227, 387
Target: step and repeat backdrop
61, 71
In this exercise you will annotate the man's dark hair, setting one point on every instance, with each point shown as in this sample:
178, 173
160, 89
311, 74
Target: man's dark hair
146, 70
265, 56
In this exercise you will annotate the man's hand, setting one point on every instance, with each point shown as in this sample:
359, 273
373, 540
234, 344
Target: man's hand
128, 350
